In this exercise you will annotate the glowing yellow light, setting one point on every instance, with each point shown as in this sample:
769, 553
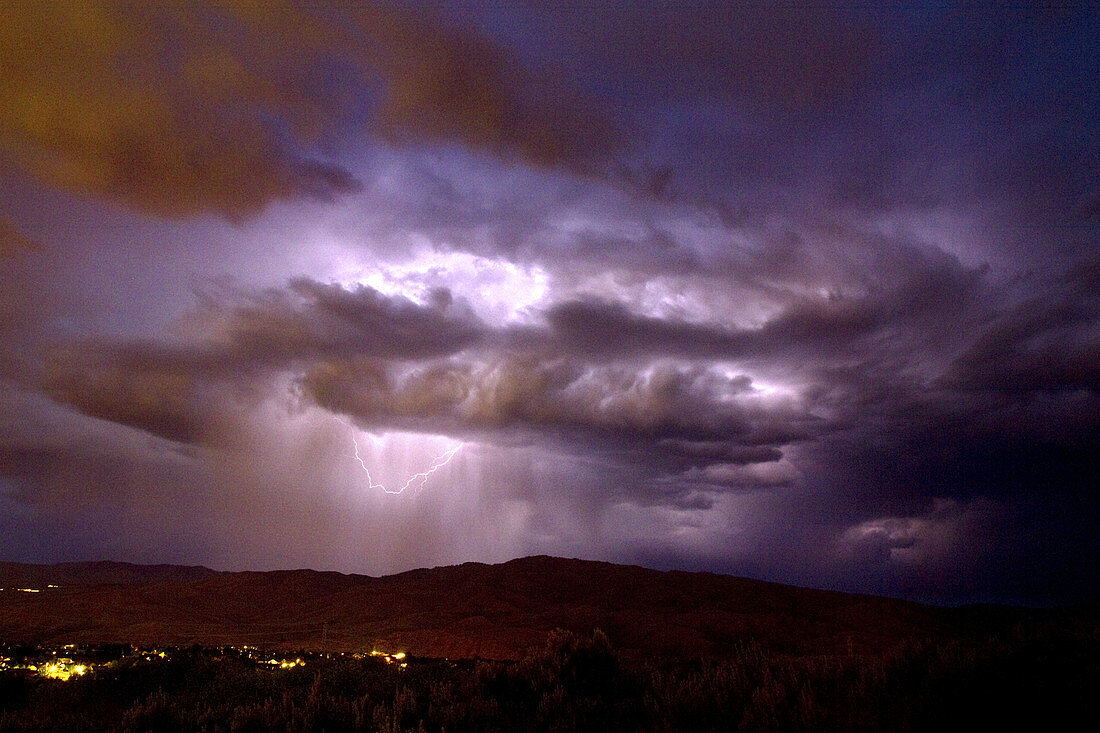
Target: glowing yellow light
60, 670
390, 657
285, 664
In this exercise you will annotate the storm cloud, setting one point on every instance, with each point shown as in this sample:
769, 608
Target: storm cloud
194, 107
805, 293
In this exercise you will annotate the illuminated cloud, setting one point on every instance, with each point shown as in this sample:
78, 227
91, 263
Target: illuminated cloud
389, 363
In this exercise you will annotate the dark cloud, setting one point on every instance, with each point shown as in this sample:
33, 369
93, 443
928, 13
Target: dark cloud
610, 329
312, 320
70, 486
387, 363
664, 408
184, 108
904, 295
1043, 343
149, 391
792, 57
171, 389
13, 241
153, 108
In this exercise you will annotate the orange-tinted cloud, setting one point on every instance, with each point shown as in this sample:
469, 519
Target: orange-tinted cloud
182, 108
12, 240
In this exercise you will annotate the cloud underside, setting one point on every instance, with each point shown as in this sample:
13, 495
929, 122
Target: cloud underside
389, 363
691, 401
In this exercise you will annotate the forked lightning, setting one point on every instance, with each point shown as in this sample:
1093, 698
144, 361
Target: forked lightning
437, 463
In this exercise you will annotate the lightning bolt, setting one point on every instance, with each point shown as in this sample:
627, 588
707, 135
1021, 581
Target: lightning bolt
437, 463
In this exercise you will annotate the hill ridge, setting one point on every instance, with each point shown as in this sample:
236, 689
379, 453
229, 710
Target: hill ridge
469, 609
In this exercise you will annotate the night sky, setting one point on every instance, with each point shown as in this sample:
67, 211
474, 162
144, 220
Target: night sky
809, 294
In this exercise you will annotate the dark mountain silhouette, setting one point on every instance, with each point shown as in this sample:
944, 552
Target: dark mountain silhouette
491, 611
96, 573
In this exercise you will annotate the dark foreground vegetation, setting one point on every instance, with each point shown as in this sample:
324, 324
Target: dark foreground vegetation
1028, 680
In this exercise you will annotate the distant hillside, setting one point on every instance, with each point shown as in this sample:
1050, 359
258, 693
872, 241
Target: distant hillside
491, 611
96, 573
